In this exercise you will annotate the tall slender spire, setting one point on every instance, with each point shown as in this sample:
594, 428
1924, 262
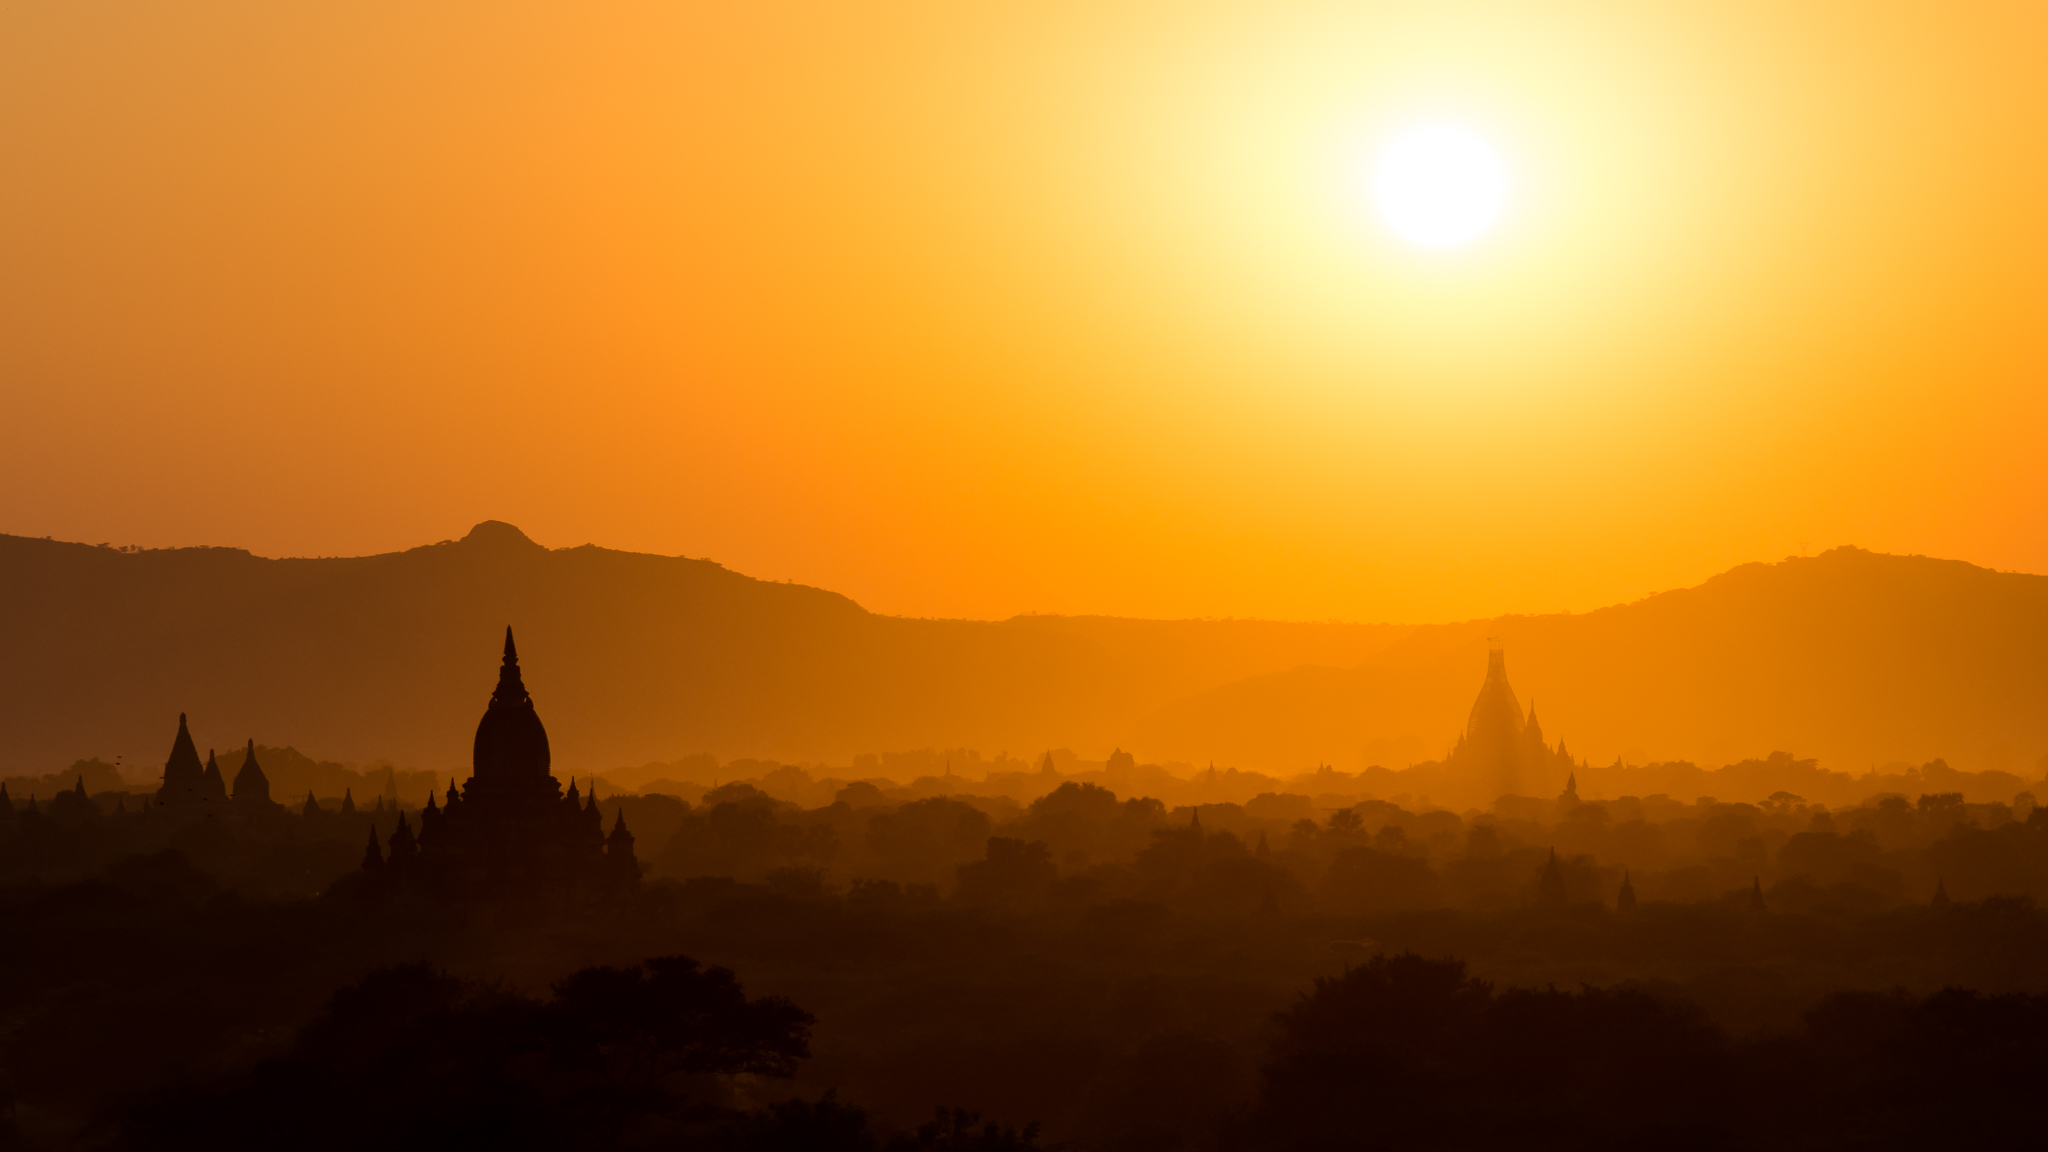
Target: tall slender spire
511, 688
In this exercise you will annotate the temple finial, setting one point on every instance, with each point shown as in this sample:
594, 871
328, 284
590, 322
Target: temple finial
511, 652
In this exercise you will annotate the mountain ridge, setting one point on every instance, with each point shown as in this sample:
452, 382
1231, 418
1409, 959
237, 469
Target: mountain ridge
1853, 656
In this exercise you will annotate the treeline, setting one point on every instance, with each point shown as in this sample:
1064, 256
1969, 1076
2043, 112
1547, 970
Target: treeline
292, 774
1281, 850
1025, 990
1428, 785
1277, 849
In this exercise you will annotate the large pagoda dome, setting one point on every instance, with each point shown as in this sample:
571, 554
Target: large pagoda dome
510, 741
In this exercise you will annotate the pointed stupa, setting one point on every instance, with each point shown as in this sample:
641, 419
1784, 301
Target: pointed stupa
454, 794
184, 776
312, 806
373, 856
251, 785
6, 803
1262, 851
1550, 886
1492, 743
213, 788
1196, 822
348, 802
1569, 798
573, 798
401, 841
1625, 900
1756, 896
510, 741
1941, 899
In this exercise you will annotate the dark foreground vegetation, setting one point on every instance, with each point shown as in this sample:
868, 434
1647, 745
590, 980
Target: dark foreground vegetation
1124, 976
1402, 1052
150, 1008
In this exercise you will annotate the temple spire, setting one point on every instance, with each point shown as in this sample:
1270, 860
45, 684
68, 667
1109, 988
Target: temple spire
510, 740
212, 785
511, 688
251, 785
1550, 891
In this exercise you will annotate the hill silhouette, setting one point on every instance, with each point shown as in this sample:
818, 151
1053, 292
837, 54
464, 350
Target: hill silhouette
1858, 658
631, 657
1851, 656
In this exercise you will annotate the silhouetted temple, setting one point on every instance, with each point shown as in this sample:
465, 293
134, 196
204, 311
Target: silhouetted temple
1502, 748
511, 831
252, 787
187, 784
1550, 891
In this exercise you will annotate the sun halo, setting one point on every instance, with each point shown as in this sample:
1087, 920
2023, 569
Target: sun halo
1438, 186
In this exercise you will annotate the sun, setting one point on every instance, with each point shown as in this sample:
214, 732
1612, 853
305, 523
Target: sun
1439, 186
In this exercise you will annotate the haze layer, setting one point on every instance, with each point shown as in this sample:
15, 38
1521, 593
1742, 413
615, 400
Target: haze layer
1850, 656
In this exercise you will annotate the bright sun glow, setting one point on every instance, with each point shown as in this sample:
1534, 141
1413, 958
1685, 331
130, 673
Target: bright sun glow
1439, 186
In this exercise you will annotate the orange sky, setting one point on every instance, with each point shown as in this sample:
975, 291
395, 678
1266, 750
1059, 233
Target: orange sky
982, 309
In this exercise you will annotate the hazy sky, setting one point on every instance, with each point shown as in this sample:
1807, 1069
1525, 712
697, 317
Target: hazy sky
974, 309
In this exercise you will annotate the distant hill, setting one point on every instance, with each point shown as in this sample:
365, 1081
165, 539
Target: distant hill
1857, 658
630, 657
1849, 656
